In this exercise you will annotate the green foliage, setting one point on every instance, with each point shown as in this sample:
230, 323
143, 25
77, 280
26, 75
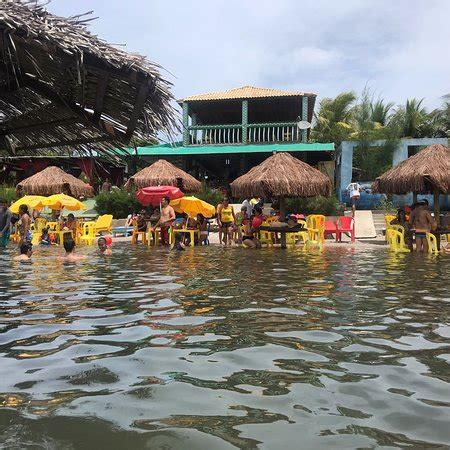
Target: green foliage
314, 205
385, 204
333, 119
211, 196
118, 202
8, 194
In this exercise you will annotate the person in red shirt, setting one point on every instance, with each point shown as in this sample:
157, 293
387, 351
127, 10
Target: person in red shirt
250, 227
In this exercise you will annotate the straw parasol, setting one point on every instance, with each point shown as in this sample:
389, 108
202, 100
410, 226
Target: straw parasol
163, 172
53, 180
426, 172
281, 175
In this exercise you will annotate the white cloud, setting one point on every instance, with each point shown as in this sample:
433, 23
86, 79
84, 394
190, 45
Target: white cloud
398, 48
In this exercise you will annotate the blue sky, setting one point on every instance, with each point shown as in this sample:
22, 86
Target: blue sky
398, 48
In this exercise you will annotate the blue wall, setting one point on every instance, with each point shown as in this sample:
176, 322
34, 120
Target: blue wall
344, 166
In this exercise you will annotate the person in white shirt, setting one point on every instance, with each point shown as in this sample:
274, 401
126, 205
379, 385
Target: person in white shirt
354, 190
249, 207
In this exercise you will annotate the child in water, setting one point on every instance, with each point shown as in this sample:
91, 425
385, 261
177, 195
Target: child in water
104, 245
26, 250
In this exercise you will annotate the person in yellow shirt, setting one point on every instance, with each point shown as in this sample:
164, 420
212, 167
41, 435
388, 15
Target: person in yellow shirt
226, 221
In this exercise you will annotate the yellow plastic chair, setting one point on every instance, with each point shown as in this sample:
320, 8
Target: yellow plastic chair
432, 243
315, 224
136, 233
104, 223
302, 235
399, 228
266, 237
396, 241
88, 234
388, 218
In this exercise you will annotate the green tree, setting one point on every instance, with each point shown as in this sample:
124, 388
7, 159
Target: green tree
333, 120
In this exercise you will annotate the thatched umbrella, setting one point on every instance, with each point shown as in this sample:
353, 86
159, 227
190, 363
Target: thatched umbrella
281, 175
162, 173
53, 180
426, 172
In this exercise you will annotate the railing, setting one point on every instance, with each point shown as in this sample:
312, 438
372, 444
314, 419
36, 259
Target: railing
215, 134
256, 133
273, 132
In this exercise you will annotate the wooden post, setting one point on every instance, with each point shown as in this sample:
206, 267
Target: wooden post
436, 206
282, 216
185, 124
244, 121
414, 197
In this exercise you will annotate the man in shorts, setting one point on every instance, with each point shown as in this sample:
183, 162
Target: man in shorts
422, 222
354, 190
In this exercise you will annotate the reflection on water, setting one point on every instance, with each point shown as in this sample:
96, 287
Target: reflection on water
222, 348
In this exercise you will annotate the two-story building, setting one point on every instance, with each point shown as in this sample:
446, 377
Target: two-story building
226, 133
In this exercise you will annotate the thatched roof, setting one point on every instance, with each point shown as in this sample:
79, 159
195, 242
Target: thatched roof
53, 180
421, 173
282, 175
163, 173
64, 88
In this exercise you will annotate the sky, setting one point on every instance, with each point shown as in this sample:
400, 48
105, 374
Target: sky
399, 49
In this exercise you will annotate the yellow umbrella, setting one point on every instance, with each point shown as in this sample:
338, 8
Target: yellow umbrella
32, 201
60, 201
193, 206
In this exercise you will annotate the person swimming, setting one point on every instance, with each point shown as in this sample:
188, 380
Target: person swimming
69, 247
26, 250
104, 245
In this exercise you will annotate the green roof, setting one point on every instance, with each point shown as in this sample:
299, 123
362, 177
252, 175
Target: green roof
168, 150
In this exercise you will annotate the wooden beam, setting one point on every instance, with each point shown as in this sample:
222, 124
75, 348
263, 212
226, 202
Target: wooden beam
64, 143
39, 126
100, 96
100, 125
141, 98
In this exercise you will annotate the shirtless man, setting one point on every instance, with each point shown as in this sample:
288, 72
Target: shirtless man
69, 247
421, 221
25, 252
24, 225
166, 219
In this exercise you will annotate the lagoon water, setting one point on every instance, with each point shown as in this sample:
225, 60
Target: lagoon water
225, 348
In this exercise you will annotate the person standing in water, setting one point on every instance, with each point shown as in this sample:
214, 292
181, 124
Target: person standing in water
5, 223
24, 225
166, 219
69, 247
422, 222
226, 220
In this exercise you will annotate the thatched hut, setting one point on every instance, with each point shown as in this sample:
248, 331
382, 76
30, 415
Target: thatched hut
281, 175
62, 87
163, 173
426, 172
53, 180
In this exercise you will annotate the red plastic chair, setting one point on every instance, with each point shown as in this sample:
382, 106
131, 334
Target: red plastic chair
330, 228
345, 224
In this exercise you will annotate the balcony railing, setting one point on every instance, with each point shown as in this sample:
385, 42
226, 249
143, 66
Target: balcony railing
260, 133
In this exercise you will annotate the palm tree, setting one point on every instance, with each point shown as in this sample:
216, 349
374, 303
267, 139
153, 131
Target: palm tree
412, 120
381, 112
440, 118
332, 122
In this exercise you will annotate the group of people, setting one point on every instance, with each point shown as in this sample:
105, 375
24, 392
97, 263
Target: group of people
23, 222
417, 220
241, 227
